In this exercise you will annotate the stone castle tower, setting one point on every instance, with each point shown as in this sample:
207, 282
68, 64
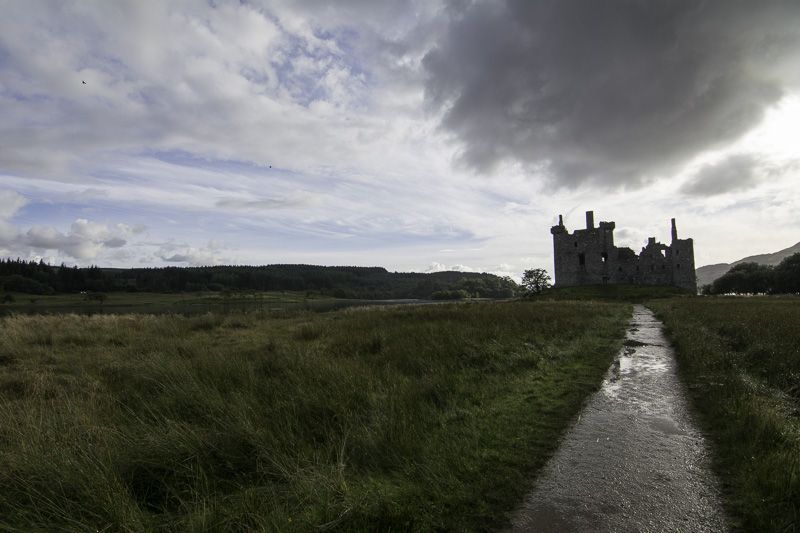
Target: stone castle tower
589, 257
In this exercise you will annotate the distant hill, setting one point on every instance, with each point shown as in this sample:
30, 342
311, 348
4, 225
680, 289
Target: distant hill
707, 274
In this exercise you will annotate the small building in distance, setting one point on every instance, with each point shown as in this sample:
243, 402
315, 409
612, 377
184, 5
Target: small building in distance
589, 257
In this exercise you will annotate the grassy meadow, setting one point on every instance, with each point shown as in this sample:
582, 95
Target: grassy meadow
622, 293
395, 418
740, 358
161, 303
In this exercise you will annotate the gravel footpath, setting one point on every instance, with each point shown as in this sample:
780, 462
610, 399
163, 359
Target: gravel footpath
634, 460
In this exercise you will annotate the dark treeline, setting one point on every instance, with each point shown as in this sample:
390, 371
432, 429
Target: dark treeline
752, 278
33, 277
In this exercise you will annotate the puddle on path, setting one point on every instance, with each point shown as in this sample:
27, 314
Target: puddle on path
634, 460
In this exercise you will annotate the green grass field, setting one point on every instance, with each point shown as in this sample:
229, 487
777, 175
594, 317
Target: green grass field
740, 358
161, 303
623, 293
404, 418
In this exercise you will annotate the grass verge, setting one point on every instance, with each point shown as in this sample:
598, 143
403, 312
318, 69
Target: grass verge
741, 360
613, 292
410, 418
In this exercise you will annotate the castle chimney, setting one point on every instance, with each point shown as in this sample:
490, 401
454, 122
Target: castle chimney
560, 220
674, 231
589, 219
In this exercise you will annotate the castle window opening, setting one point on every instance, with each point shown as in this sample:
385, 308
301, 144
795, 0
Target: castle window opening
604, 256
582, 259
576, 244
678, 266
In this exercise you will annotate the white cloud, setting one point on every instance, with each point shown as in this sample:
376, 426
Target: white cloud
44, 238
210, 254
85, 240
435, 266
85, 230
10, 203
128, 230
8, 233
233, 82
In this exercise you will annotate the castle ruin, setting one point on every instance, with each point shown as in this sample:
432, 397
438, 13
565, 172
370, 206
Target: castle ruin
589, 257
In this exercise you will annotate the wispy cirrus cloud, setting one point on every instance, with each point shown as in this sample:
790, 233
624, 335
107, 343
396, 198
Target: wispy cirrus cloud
295, 200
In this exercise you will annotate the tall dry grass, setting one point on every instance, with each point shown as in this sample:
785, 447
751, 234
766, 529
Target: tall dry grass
411, 418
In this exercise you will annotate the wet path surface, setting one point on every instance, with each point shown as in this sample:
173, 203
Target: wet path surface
634, 460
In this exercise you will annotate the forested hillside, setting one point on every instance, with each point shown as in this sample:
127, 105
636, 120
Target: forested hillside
340, 281
755, 278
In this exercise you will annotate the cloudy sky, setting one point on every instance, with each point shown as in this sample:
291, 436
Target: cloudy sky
415, 135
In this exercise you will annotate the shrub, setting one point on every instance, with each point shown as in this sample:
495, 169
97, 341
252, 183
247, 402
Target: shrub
17, 283
454, 294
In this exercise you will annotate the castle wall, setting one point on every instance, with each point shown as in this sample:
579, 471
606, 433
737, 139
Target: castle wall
683, 274
588, 257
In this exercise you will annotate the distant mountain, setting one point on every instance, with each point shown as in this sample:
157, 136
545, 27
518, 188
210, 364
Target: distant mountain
707, 274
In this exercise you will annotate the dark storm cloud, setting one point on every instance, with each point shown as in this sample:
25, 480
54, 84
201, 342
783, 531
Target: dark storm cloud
608, 92
737, 172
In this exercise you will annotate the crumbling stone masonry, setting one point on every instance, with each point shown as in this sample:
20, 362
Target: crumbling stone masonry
589, 257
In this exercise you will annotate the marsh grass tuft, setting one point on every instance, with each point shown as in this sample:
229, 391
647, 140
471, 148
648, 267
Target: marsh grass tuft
308, 332
414, 418
375, 343
206, 322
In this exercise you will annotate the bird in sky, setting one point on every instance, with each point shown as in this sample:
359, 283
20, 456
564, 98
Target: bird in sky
83, 82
